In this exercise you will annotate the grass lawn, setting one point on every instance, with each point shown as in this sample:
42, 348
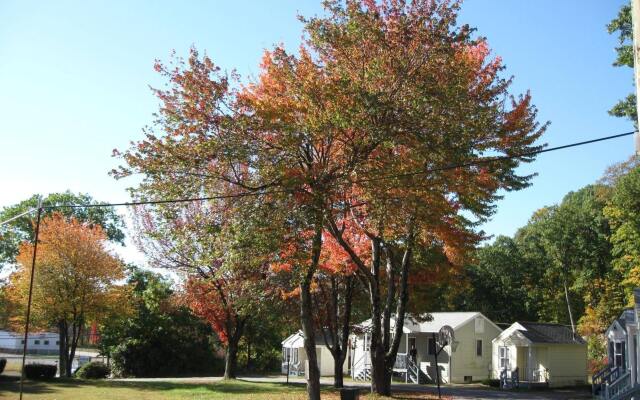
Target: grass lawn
115, 390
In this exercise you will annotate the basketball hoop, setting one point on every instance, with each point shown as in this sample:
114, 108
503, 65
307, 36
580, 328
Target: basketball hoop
445, 336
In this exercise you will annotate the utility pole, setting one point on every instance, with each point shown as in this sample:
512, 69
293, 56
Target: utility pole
635, 18
33, 271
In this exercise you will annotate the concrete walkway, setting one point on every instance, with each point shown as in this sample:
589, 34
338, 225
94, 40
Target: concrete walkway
462, 392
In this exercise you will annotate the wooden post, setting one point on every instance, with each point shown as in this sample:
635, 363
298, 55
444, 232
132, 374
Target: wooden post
437, 368
288, 363
406, 359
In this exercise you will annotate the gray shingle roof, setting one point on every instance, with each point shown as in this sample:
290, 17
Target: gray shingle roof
539, 332
628, 316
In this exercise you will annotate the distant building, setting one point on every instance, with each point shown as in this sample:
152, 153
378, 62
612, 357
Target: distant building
466, 359
38, 342
294, 356
534, 353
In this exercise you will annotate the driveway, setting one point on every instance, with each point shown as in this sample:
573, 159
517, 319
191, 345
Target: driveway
462, 392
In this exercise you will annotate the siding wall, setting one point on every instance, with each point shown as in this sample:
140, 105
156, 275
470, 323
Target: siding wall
567, 365
326, 362
464, 361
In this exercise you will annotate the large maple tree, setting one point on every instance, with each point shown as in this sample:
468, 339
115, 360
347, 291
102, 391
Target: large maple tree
357, 131
432, 97
75, 282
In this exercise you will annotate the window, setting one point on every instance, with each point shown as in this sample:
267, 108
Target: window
36, 342
479, 325
295, 356
46, 342
479, 348
503, 353
22, 341
57, 342
618, 354
431, 348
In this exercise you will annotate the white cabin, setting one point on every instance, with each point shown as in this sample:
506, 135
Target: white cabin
533, 354
294, 356
467, 359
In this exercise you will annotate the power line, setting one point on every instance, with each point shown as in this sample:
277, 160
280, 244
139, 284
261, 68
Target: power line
261, 193
501, 158
29, 211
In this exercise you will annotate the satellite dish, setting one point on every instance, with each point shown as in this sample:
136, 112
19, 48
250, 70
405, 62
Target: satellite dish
445, 336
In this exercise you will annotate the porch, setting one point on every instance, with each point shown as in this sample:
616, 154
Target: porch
526, 367
293, 361
403, 366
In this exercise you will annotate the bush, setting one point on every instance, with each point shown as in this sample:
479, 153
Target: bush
164, 356
40, 371
3, 363
93, 370
491, 382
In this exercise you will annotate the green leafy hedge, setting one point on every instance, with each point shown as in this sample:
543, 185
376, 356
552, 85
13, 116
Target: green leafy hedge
40, 371
93, 370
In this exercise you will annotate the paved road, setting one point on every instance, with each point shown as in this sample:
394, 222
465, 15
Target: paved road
462, 392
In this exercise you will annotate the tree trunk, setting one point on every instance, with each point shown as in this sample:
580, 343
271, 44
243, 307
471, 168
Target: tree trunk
306, 312
338, 363
388, 349
235, 330
231, 358
342, 342
62, 348
76, 333
248, 352
306, 316
377, 350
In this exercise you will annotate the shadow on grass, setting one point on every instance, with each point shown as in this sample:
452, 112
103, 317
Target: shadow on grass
229, 386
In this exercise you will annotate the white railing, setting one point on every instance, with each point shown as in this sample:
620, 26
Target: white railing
413, 372
604, 377
292, 368
534, 375
619, 387
361, 367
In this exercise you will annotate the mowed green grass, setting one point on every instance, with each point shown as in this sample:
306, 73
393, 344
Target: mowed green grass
118, 390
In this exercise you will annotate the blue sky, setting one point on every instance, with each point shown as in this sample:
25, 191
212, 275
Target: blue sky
74, 79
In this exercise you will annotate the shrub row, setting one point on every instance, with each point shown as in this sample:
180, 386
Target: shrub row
40, 371
93, 370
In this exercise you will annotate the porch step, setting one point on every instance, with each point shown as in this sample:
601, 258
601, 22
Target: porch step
363, 375
631, 392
